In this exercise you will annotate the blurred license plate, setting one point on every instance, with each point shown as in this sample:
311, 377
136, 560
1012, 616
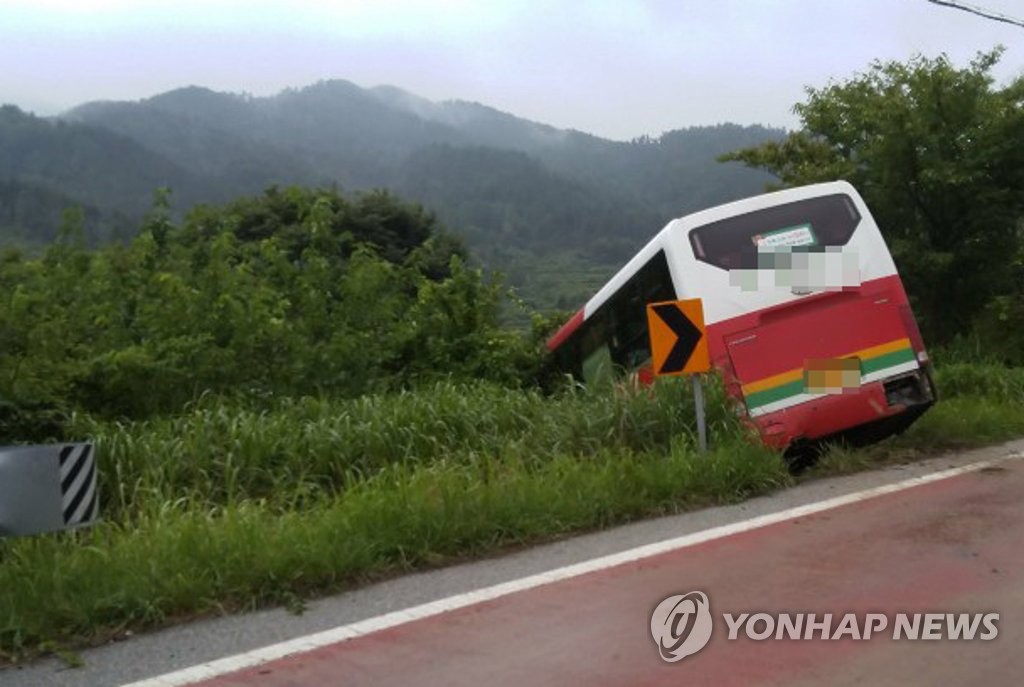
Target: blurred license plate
831, 375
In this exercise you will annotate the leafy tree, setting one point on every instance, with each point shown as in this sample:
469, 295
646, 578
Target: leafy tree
936, 151
297, 291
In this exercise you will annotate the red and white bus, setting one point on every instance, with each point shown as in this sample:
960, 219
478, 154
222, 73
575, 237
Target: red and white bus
806, 317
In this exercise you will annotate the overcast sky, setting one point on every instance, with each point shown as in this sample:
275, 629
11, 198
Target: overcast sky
614, 68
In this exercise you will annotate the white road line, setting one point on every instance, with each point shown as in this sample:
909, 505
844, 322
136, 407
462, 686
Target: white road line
335, 635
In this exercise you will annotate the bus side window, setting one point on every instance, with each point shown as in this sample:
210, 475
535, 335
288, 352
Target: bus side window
651, 284
614, 339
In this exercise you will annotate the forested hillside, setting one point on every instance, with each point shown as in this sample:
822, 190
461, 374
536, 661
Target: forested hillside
525, 196
47, 167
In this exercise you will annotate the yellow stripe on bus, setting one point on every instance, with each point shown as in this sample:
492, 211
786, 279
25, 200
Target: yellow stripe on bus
798, 373
773, 381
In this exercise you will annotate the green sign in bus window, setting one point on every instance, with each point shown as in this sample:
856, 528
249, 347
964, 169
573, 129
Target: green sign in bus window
800, 235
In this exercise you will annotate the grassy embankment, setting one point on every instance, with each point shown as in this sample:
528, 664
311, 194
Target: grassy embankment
224, 507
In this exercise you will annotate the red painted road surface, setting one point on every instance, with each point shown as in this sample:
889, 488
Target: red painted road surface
949, 546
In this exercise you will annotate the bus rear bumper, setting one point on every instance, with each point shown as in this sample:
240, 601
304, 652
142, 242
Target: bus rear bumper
877, 410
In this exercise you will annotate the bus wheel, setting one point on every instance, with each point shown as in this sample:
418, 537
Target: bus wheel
802, 455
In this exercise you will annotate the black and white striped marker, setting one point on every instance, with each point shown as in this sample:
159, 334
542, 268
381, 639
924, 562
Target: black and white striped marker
78, 484
47, 488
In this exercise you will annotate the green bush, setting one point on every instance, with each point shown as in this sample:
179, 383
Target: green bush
294, 293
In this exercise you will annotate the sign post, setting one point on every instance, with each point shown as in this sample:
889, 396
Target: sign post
698, 402
680, 347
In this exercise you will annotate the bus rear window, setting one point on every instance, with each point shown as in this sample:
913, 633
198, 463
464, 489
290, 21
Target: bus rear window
815, 223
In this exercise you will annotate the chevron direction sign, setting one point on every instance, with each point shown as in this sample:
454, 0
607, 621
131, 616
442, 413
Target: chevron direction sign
678, 344
680, 347
47, 488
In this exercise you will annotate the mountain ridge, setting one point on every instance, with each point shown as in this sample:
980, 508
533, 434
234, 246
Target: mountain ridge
516, 189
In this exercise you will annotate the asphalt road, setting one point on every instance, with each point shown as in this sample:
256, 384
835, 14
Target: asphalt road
948, 546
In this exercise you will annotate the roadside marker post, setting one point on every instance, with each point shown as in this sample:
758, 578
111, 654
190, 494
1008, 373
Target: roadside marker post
47, 488
679, 347
698, 403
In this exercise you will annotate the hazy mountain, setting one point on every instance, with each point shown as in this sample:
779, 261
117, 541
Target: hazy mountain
46, 166
512, 187
34, 213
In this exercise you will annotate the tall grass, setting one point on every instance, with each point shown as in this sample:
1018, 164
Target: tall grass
220, 453
227, 506
187, 560
981, 380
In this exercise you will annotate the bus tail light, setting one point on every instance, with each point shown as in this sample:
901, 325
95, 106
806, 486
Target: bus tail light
910, 325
